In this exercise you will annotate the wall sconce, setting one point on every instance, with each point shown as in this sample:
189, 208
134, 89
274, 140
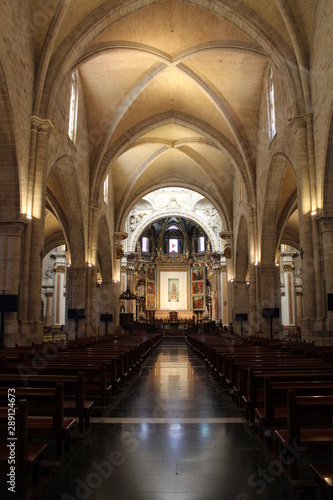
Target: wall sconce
247, 282
314, 212
232, 280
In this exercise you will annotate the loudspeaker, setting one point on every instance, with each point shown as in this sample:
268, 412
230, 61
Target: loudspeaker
241, 317
330, 301
270, 312
8, 303
106, 317
76, 313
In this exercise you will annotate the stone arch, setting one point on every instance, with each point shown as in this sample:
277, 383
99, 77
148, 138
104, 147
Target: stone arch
66, 190
241, 254
272, 207
176, 213
179, 182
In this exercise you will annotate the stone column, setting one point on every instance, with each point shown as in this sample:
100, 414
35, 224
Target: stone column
48, 316
270, 290
305, 226
41, 130
11, 235
228, 252
326, 233
91, 301
224, 294
106, 305
119, 252
253, 278
59, 309
288, 269
240, 290
76, 298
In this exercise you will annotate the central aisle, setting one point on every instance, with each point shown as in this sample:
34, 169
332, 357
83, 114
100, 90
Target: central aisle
171, 436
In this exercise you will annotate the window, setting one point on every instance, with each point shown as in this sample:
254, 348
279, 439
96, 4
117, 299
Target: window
173, 245
106, 190
73, 108
145, 244
201, 244
271, 105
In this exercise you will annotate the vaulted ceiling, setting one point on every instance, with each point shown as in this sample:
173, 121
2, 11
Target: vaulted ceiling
172, 89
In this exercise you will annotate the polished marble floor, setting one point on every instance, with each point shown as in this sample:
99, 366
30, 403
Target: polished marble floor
172, 435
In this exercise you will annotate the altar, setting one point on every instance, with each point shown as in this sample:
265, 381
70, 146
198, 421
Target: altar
185, 316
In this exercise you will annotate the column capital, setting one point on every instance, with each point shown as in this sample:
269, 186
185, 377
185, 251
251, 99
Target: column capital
12, 228
325, 224
43, 125
299, 122
226, 235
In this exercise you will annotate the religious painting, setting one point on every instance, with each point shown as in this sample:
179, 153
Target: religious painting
151, 289
173, 290
198, 303
198, 273
197, 287
151, 303
151, 274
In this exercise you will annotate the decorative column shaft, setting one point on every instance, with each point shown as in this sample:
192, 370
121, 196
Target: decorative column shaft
36, 204
305, 219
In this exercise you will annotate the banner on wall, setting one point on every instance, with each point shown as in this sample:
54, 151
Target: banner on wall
198, 280
151, 289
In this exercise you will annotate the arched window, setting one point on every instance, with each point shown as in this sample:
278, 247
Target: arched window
145, 244
72, 122
106, 190
201, 244
271, 104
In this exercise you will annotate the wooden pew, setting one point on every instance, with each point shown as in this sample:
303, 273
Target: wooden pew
46, 415
323, 475
75, 403
274, 412
309, 425
30, 477
254, 396
98, 379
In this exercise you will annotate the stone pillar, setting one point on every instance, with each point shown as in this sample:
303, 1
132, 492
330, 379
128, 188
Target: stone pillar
240, 290
270, 290
48, 312
288, 269
76, 299
224, 294
326, 233
253, 278
228, 252
41, 130
305, 227
59, 306
91, 301
119, 252
11, 235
